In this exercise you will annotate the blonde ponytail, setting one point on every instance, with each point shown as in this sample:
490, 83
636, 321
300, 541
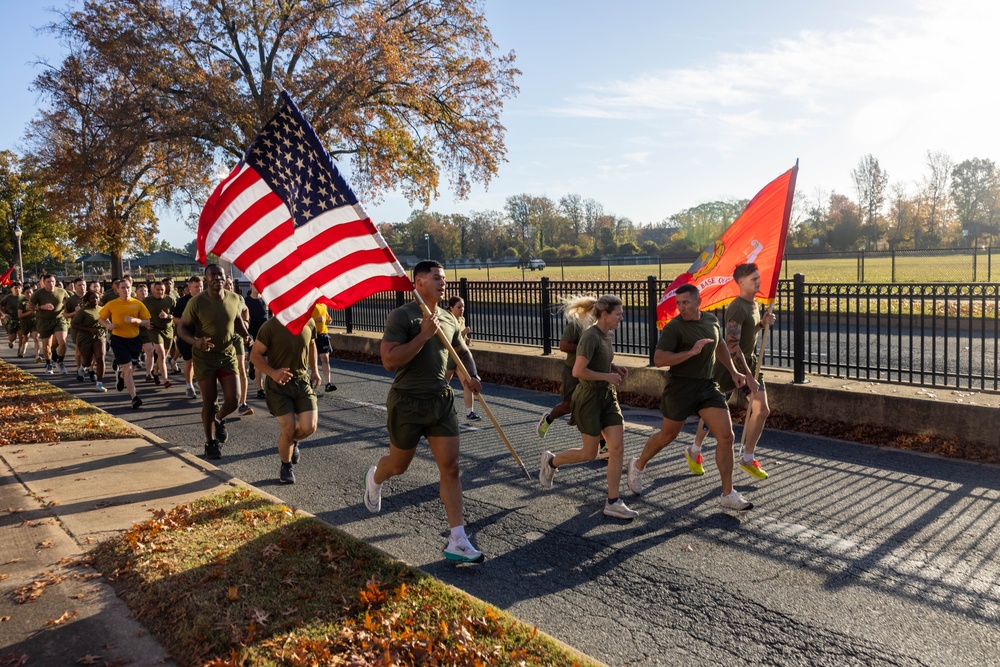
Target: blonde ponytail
586, 308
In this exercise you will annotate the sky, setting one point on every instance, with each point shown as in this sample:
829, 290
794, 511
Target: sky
651, 107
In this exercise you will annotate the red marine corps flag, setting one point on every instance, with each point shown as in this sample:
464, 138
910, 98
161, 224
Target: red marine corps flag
5, 280
288, 220
758, 236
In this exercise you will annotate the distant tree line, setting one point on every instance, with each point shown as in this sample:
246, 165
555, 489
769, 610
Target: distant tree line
953, 205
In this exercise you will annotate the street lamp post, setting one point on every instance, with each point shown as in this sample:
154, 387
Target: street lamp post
20, 263
427, 237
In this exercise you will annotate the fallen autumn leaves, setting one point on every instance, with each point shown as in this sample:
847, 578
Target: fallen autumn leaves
32, 410
233, 579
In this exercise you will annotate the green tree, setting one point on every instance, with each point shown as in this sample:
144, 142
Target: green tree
409, 92
571, 206
700, 225
904, 226
975, 187
569, 250
536, 219
934, 210
650, 248
845, 230
23, 204
870, 181
606, 240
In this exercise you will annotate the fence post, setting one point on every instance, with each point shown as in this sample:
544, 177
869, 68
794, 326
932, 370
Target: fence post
399, 299
861, 278
892, 255
463, 292
974, 257
349, 319
652, 298
609, 269
546, 317
989, 263
798, 329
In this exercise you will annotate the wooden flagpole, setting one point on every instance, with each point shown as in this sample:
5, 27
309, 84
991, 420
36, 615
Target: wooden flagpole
756, 373
464, 374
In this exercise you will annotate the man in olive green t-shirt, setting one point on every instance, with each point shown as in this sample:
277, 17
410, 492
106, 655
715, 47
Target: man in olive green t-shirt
8, 306
689, 345
215, 316
292, 374
26, 327
420, 402
79, 289
48, 304
90, 338
743, 324
161, 315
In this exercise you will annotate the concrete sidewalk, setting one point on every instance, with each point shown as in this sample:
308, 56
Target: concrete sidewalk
57, 501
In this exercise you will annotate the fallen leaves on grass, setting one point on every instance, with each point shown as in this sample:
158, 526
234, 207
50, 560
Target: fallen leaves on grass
34, 411
233, 579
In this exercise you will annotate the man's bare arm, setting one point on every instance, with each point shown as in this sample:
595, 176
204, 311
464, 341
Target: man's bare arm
734, 331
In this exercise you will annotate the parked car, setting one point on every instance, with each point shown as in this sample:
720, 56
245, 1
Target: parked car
536, 264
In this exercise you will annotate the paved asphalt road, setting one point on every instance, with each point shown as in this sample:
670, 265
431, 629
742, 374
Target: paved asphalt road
853, 556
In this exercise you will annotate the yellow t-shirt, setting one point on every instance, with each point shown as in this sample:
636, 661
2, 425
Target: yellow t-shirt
117, 310
319, 310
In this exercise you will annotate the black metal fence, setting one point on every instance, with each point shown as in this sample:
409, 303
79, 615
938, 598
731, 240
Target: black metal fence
963, 265
944, 334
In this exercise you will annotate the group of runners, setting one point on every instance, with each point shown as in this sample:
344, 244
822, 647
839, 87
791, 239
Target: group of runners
695, 347
150, 327
214, 326
707, 361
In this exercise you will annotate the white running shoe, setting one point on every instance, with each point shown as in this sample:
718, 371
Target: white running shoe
634, 476
545, 471
373, 492
619, 510
734, 501
462, 551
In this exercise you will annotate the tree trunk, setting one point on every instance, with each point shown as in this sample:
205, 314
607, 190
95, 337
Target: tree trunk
117, 266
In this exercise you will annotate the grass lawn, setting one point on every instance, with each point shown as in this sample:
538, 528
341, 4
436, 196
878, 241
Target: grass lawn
929, 269
32, 410
234, 579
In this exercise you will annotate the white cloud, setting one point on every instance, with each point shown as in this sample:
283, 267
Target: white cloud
905, 65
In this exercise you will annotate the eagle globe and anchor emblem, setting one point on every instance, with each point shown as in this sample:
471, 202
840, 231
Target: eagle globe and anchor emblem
711, 256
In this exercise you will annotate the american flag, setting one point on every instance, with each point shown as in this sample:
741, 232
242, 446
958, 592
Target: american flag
288, 219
